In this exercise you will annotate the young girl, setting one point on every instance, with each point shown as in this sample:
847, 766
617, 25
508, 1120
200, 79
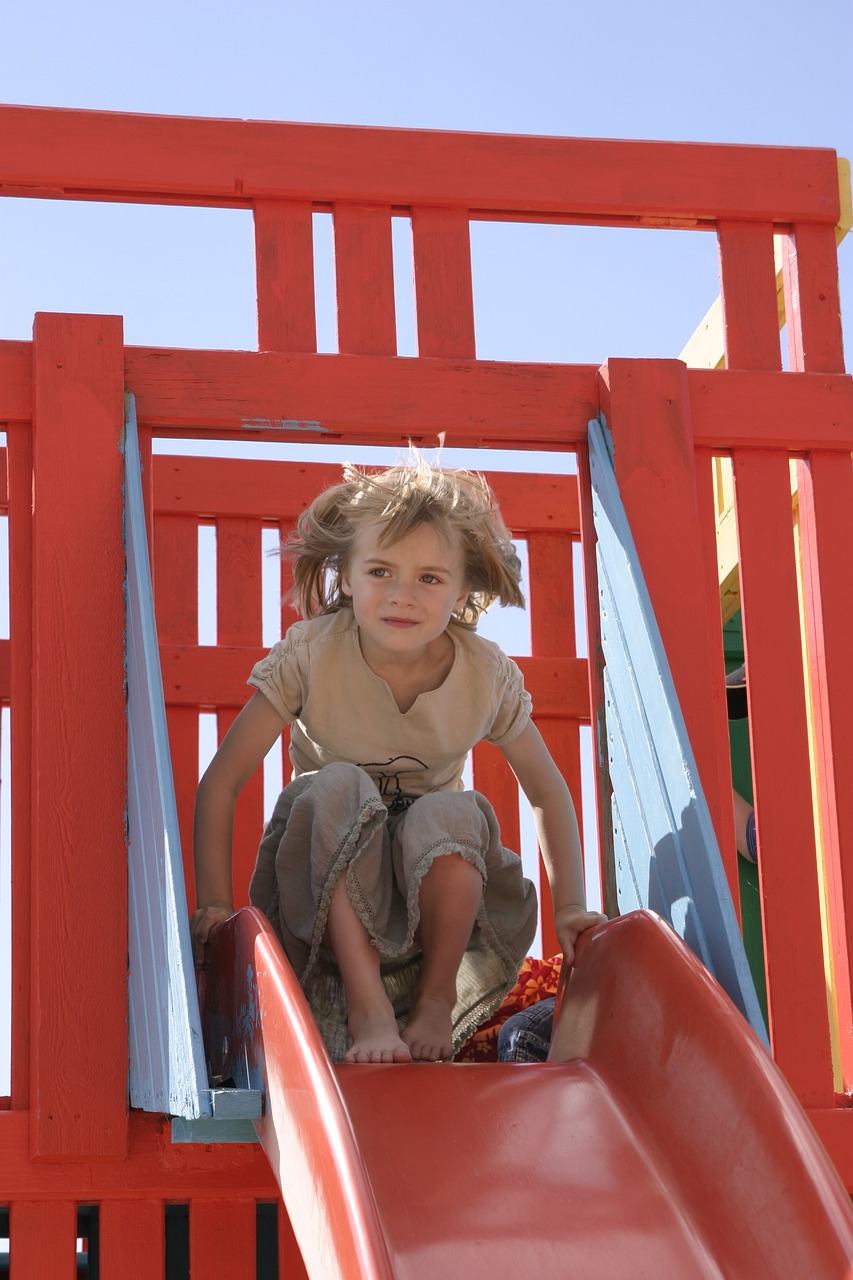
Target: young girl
403, 915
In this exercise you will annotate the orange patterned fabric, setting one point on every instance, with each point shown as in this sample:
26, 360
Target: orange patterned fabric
537, 979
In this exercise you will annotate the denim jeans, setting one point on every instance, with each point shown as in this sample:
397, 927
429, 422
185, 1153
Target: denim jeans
526, 1036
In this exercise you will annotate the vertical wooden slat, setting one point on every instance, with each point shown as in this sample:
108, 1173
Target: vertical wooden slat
649, 414
494, 778
79, 905
444, 294
796, 993
239, 622
826, 530
222, 1239
812, 306
175, 573
131, 1241
19, 454
748, 291
284, 265
364, 275
43, 1240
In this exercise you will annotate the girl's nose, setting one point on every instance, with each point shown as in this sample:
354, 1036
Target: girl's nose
401, 592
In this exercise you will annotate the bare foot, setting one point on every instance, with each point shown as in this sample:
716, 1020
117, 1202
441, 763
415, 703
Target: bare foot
376, 1038
429, 1030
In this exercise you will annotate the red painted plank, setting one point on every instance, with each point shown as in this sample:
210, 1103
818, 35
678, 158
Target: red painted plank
290, 1264
444, 291
269, 395
222, 1238
16, 381
364, 280
5, 671
787, 861
812, 306
748, 290
132, 1239
19, 457
731, 408
97, 154
284, 268
279, 491
4, 484
43, 1240
826, 531
649, 415
78, 1046
834, 1127
494, 778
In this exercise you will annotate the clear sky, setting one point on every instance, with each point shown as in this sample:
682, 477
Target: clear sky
743, 71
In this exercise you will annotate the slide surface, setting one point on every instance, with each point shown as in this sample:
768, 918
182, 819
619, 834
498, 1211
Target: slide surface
659, 1141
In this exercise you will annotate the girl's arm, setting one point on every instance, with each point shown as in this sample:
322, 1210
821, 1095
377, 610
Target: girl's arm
557, 830
241, 751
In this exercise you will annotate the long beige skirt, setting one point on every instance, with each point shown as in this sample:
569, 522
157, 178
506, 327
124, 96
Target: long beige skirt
333, 823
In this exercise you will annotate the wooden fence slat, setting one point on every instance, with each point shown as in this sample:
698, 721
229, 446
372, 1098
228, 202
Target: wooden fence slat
812, 305
826, 530
444, 291
290, 1264
284, 269
78, 1099
748, 291
222, 1238
19, 453
787, 859
364, 280
43, 1240
131, 1240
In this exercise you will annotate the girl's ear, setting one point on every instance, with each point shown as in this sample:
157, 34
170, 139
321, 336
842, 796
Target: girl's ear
461, 600
346, 585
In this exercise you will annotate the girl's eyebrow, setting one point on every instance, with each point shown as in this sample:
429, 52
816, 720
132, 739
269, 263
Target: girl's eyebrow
424, 568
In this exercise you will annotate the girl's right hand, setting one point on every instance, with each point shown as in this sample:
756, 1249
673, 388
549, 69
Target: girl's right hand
202, 922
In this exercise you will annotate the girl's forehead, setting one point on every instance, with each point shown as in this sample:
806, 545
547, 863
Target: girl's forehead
425, 540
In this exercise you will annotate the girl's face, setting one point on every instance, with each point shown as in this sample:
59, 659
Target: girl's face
403, 594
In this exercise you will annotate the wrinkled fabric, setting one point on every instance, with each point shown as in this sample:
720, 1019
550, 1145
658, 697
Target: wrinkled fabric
334, 823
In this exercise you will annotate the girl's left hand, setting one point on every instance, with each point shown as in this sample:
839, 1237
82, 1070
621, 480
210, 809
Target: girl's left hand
572, 921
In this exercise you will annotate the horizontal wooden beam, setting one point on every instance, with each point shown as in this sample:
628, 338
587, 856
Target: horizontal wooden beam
157, 1168
388, 400
276, 491
95, 155
214, 676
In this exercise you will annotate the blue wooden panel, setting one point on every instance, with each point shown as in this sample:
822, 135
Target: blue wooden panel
667, 857
167, 1067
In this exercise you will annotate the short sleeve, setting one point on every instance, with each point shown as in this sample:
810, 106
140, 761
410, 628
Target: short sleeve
282, 676
513, 703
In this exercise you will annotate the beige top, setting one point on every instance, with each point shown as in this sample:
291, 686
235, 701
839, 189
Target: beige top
340, 710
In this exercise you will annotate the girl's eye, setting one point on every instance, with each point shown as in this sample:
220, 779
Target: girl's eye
430, 578
378, 573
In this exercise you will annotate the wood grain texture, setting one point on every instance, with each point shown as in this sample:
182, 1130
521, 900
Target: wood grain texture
107, 155
748, 292
78, 1096
364, 280
131, 1239
812, 304
43, 1240
826, 531
222, 1237
284, 269
444, 293
787, 858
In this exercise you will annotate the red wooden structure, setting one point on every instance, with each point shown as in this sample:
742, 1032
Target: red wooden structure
67, 1138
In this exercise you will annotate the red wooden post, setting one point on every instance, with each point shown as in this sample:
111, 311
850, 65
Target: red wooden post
787, 860
812, 307
748, 287
19, 455
284, 261
238, 620
43, 1240
826, 531
364, 274
222, 1238
444, 297
79, 906
648, 410
131, 1239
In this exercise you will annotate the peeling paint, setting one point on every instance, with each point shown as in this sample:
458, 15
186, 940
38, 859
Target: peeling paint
284, 424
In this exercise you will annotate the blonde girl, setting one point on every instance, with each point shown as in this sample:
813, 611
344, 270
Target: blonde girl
403, 915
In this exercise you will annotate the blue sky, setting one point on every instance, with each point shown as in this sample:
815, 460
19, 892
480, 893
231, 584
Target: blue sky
746, 72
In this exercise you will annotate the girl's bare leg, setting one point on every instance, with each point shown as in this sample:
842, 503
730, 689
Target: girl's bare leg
371, 1020
450, 896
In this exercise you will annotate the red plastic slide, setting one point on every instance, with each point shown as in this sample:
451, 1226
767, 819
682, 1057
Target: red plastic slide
660, 1141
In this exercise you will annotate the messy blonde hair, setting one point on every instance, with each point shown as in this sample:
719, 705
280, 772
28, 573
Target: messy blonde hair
458, 504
